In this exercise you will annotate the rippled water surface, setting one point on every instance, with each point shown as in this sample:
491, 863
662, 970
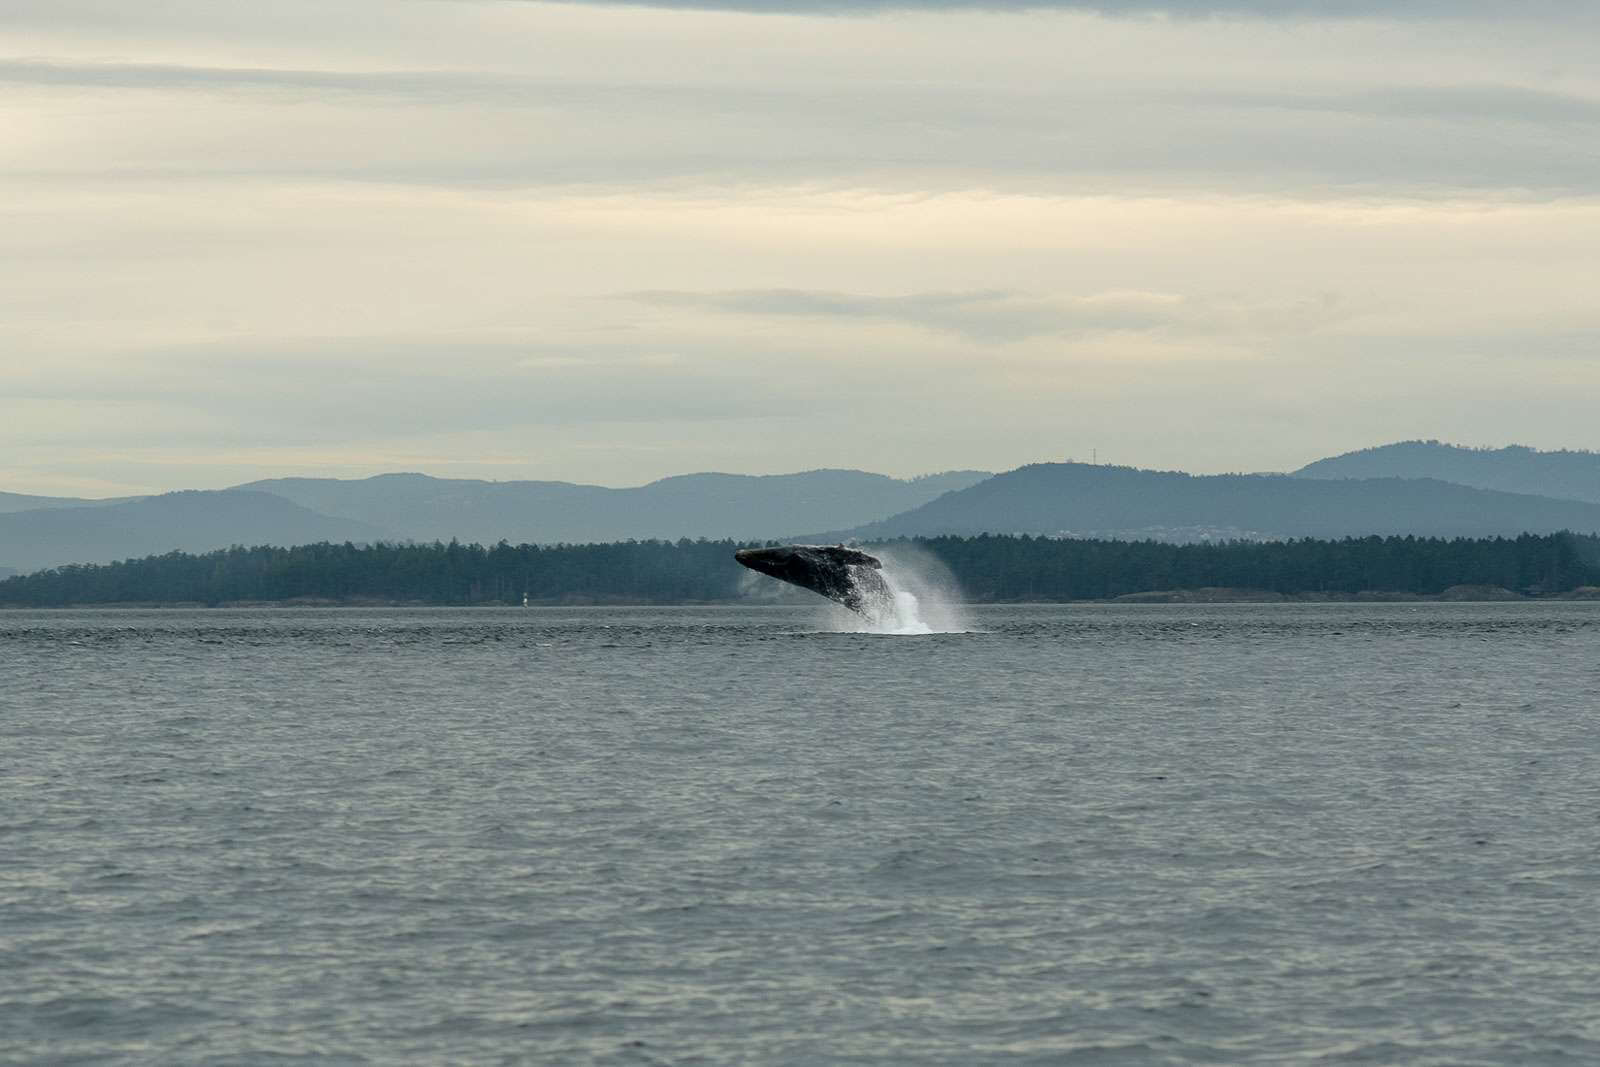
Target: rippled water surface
1143, 835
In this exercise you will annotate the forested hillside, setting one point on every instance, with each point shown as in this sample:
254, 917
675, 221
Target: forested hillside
1124, 503
988, 568
1568, 474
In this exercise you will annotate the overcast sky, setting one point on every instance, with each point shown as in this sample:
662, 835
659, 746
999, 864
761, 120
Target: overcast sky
605, 243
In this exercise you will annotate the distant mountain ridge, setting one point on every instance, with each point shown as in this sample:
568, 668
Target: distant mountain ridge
1055, 499
741, 506
40, 532
11, 503
192, 520
1085, 500
1564, 474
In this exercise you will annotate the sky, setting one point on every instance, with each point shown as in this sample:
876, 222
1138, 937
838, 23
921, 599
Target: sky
606, 243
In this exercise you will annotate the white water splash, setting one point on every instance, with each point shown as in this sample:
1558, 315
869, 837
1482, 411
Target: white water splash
923, 598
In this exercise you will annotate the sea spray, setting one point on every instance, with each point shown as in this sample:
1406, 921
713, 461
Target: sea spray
923, 597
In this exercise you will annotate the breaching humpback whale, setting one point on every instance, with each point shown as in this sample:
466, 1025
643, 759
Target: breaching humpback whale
846, 575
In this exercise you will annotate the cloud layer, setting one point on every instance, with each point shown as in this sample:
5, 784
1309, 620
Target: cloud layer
601, 242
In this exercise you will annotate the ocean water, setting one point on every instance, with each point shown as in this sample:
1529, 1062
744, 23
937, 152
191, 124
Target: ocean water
1079, 835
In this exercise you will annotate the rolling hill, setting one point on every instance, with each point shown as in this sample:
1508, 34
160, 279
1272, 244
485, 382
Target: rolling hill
10, 503
1057, 499
747, 507
1076, 499
193, 521
1564, 474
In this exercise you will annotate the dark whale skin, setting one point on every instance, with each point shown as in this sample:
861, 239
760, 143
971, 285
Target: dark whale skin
847, 576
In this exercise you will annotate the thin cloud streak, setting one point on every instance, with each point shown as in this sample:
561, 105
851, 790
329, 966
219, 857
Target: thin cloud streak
981, 316
406, 127
892, 103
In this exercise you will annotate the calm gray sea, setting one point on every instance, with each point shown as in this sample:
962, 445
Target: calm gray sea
1121, 835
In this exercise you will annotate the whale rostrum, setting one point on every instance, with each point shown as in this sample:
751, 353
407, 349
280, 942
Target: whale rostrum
846, 575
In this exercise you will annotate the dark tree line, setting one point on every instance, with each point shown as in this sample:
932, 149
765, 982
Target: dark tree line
650, 571
1036, 568
988, 568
